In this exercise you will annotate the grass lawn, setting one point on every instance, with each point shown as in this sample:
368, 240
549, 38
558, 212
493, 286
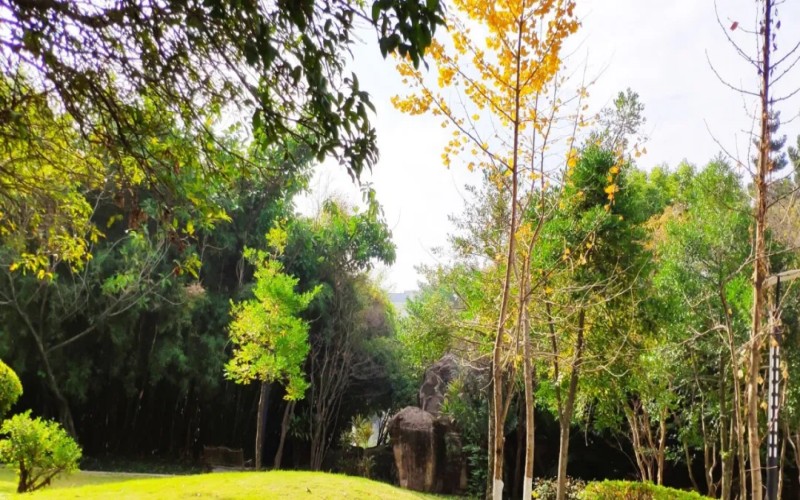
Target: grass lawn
284, 485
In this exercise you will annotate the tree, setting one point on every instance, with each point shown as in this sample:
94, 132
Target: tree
503, 88
349, 314
270, 339
591, 256
770, 70
39, 449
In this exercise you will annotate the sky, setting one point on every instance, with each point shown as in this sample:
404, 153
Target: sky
661, 50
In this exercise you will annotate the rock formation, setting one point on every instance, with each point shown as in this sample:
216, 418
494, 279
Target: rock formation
427, 446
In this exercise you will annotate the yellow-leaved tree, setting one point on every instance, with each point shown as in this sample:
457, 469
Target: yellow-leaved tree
496, 85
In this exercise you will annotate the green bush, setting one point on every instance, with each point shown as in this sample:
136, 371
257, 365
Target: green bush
629, 490
10, 388
546, 488
40, 450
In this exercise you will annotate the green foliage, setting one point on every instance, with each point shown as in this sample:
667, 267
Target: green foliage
10, 388
270, 340
359, 435
545, 489
39, 449
283, 62
466, 403
627, 490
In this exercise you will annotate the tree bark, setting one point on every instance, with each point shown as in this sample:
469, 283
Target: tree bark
662, 444
261, 423
565, 415
725, 429
529, 376
761, 267
287, 417
498, 371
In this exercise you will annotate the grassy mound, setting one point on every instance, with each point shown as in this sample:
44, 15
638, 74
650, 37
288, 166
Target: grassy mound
283, 485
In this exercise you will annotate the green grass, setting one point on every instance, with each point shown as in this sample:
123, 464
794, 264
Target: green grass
284, 485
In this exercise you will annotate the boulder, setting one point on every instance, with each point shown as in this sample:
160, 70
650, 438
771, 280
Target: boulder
426, 445
434, 385
413, 441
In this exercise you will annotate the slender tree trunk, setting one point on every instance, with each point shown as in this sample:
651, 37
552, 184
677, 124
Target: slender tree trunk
565, 416
761, 267
662, 444
725, 427
688, 457
518, 460
287, 417
490, 448
781, 463
631, 413
498, 371
530, 402
737, 403
261, 423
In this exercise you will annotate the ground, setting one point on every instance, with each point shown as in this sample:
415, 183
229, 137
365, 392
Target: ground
282, 485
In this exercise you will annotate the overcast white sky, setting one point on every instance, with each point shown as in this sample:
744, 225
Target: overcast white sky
656, 48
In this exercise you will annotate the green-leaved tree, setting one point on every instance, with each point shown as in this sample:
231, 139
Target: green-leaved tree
270, 339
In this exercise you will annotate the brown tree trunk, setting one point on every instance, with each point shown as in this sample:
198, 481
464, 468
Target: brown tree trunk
688, 457
498, 371
725, 428
530, 402
261, 423
287, 417
761, 265
662, 444
518, 460
565, 415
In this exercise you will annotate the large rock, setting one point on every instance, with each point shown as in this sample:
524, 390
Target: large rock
434, 386
413, 444
427, 446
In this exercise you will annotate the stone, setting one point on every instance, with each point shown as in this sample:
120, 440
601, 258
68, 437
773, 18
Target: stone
434, 385
413, 440
426, 445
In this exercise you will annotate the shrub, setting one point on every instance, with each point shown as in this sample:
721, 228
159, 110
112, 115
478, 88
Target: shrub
10, 388
40, 449
630, 490
545, 489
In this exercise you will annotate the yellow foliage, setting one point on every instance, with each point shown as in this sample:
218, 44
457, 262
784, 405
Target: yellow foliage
500, 75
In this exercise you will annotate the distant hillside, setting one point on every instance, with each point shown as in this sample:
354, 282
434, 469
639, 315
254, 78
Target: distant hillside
398, 300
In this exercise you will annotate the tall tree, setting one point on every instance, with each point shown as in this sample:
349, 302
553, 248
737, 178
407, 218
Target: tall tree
270, 339
770, 69
507, 88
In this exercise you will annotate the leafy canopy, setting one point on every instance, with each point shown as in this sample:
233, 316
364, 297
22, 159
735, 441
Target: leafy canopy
270, 339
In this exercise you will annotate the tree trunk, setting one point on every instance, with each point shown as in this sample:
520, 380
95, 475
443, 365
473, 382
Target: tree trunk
738, 418
287, 417
565, 415
761, 264
498, 373
662, 444
529, 376
688, 456
490, 448
518, 460
261, 423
